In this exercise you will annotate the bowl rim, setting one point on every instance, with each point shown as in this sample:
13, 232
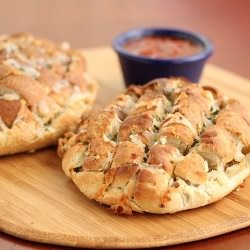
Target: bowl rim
119, 41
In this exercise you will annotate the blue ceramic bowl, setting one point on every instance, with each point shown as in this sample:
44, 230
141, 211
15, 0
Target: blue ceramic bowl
140, 69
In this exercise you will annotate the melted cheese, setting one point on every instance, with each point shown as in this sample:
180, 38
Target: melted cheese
206, 166
215, 107
239, 156
30, 71
59, 85
206, 121
163, 140
13, 63
219, 166
3, 127
106, 139
60, 58
127, 103
175, 158
114, 126
9, 48
136, 139
78, 96
108, 161
11, 96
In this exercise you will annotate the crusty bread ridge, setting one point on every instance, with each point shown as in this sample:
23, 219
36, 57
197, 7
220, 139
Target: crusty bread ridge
44, 91
161, 148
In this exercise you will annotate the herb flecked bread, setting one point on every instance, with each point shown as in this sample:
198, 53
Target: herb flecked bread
164, 147
44, 90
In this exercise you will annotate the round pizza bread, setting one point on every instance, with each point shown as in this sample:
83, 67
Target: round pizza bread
44, 91
164, 147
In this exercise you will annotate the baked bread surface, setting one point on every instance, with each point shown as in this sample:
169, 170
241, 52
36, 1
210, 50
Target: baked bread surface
44, 90
164, 147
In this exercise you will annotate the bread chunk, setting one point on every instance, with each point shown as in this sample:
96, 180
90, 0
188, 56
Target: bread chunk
176, 146
44, 91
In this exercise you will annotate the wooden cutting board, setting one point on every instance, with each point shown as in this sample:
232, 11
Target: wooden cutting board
39, 203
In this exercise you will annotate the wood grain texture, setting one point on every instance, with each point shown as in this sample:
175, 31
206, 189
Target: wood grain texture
39, 203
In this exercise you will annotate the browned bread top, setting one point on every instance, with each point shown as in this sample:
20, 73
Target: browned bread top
39, 81
164, 147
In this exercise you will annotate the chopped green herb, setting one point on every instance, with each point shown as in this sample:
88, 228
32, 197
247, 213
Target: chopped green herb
195, 142
156, 129
112, 137
215, 112
48, 123
214, 115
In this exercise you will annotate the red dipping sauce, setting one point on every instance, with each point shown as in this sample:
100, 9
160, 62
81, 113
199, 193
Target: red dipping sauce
162, 47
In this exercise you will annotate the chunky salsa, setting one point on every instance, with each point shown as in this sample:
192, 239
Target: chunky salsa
162, 47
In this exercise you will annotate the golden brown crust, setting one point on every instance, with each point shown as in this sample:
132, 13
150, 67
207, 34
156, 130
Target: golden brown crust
44, 90
9, 111
29, 89
162, 156
192, 104
98, 152
216, 140
141, 125
192, 168
160, 148
236, 119
180, 135
101, 123
126, 153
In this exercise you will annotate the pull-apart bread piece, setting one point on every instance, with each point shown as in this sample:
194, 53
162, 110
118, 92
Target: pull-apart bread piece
44, 90
164, 147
